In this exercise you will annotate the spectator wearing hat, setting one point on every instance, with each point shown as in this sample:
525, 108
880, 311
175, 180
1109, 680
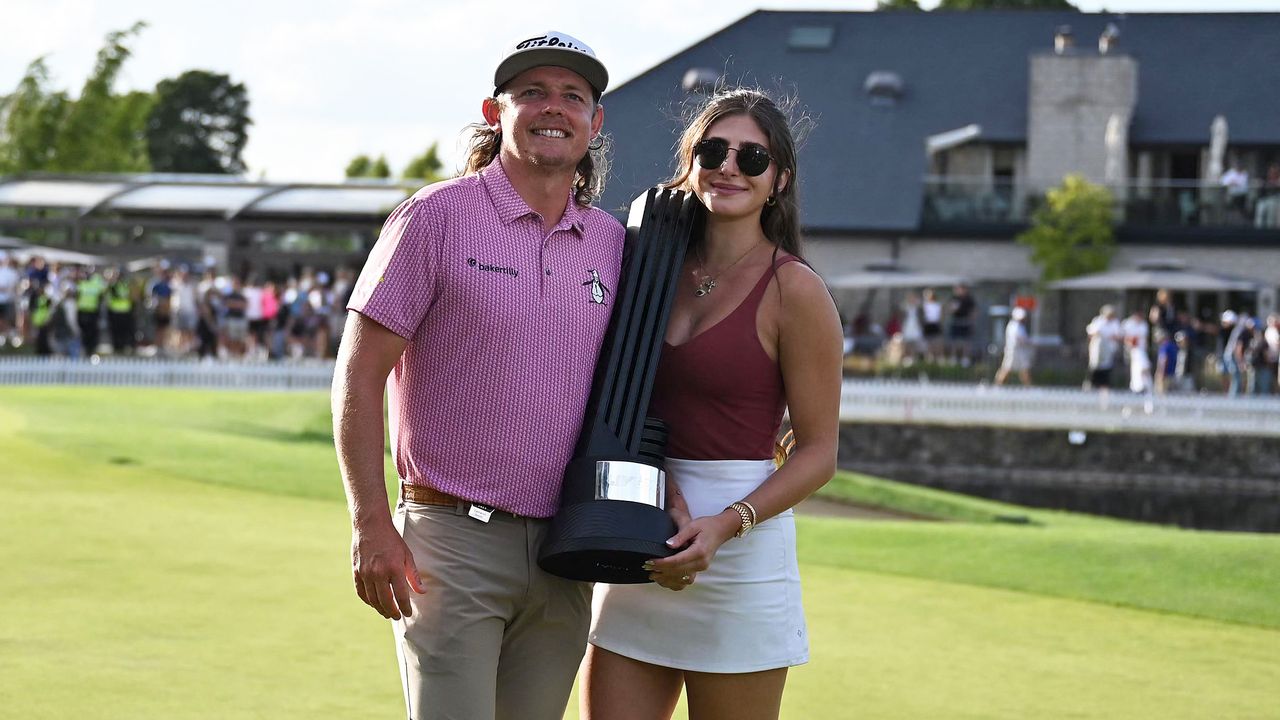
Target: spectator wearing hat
474, 296
1235, 333
1018, 351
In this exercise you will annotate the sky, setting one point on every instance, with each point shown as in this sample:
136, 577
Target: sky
331, 79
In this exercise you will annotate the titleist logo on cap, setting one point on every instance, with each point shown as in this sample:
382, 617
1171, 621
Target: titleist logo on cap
544, 41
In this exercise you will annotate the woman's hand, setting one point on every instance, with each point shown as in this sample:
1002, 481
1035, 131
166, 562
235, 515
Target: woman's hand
699, 539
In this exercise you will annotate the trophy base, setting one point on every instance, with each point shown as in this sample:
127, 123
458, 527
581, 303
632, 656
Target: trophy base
606, 541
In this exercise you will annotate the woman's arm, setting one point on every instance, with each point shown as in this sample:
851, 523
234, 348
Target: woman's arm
809, 354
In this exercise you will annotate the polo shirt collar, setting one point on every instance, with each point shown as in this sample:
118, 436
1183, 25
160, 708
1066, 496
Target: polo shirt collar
510, 206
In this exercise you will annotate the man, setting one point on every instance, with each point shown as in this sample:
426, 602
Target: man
1236, 182
10, 279
473, 301
961, 331
90, 290
1235, 332
1104, 340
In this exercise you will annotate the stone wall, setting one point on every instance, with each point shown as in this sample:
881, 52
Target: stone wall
1208, 482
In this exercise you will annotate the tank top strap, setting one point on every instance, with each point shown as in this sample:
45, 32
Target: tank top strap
757, 292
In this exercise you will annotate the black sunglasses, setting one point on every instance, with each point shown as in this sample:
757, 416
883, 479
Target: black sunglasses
753, 158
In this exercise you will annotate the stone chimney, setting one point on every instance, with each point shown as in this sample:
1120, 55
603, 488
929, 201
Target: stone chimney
1072, 98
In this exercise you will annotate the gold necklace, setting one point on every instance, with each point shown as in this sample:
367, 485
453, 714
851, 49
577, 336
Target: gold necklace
707, 282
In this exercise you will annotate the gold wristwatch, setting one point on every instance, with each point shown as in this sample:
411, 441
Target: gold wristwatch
748, 515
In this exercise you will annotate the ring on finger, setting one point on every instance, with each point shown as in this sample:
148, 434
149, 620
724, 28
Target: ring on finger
686, 578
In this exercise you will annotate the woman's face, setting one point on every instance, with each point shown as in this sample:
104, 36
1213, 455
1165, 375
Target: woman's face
726, 190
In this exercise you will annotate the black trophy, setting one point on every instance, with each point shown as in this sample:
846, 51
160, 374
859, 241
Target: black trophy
612, 507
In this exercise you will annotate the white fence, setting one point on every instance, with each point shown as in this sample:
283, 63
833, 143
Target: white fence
238, 375
861, 401
1064, 409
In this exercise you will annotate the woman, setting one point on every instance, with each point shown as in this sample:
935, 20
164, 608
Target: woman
749, 319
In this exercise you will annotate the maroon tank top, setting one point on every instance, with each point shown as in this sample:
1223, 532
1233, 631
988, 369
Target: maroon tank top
719, 392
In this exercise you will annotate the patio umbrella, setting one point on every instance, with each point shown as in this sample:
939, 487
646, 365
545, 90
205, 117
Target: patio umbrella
1217, 147
1166, 275
22, 252
892, 275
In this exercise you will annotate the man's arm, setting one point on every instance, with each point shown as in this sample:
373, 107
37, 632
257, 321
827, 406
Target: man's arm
381, 563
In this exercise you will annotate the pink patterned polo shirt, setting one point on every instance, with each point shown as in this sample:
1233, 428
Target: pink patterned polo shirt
503, 323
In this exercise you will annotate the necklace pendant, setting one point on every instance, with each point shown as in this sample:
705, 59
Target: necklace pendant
705, 287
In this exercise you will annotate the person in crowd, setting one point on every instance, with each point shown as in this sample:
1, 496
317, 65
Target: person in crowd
42, 308
1260, 363
186, 309
752, 331
1018, 351
912, 328
119, 299
1235, 181
1105, 338
10, 278
1166, 361
207, 330
1271, 335
961, 310
235, 322
931, 317
159, 304
255, 319
1164, 314
1137, 336
488, 375
1266, 213
1234, 331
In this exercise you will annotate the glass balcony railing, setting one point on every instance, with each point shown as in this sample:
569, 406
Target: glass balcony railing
1152, 203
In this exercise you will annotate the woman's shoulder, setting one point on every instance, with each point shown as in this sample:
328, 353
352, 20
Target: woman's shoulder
792, 270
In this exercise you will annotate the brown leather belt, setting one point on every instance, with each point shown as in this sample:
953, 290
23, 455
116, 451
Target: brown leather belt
424, 495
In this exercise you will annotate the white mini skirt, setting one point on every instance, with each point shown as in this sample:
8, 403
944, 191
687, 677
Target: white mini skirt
742, 614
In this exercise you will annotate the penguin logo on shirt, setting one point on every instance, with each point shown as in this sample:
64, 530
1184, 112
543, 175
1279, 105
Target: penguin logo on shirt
598, 290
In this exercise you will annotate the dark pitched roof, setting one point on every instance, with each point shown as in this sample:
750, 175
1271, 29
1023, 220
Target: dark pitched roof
861, 167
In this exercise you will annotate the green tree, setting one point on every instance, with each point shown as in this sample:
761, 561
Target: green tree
359, 166
1005, 5
426, 167
380, 168
100, 132
1071, 233
29, 122
898, 5
41, 129
199, 124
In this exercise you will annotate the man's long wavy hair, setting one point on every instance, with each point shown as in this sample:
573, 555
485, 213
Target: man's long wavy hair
781, 220
588, 180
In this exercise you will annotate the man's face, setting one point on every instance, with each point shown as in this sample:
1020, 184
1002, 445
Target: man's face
547, 117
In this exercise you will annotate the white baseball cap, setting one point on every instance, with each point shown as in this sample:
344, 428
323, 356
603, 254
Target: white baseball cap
1019, 313
1228, 316
551, 48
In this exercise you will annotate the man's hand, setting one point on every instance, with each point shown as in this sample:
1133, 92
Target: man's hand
384, 571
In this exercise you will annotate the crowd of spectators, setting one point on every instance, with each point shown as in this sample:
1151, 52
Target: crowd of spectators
170, 311
1166, 350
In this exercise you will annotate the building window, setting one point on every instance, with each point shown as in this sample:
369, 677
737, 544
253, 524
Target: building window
811, 37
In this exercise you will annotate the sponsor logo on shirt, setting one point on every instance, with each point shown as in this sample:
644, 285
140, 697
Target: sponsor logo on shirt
472, 262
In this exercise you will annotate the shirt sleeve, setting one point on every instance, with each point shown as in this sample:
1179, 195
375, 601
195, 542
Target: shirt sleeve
397, 286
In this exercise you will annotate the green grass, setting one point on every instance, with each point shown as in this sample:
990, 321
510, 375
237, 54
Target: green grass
178, 554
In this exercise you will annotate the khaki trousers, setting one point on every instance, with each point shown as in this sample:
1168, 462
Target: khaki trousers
494, 637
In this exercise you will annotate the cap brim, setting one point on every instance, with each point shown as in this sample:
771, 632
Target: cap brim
589, 68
